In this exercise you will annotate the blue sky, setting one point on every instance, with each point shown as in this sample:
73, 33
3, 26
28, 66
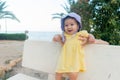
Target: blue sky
35, 15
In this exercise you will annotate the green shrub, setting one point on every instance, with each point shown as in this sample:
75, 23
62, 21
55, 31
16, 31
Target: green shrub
13, 36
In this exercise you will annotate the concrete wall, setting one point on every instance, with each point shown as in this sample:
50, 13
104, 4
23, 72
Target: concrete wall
102, 61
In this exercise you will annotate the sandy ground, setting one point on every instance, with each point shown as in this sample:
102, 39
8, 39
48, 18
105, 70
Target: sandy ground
10, 50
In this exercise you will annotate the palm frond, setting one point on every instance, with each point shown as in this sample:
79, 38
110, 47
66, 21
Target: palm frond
6, 14
58, 15
71, 2
66, 7
2, 5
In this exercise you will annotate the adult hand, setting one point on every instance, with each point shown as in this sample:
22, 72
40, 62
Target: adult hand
91, 38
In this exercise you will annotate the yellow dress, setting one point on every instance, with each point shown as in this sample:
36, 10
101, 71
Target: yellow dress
72, 54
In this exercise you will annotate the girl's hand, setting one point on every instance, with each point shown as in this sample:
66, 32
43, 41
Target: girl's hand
58, 38
83, 39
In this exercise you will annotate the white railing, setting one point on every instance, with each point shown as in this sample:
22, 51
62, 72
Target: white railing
102, 61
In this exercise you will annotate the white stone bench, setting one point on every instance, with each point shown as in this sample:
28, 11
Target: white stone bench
102, 61
21, 76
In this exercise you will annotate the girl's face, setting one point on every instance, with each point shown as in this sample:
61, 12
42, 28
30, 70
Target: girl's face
70, 26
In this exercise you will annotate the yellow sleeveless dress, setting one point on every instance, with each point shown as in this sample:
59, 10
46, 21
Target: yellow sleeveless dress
72, 54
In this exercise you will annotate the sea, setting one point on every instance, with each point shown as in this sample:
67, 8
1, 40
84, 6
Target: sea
44, 36
37, 35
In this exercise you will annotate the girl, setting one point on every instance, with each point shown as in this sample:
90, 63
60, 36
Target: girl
71, 60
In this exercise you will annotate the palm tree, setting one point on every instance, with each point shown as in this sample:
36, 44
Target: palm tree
6, 14
66, 7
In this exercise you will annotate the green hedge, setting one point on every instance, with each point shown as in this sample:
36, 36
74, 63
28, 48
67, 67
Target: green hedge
13, 36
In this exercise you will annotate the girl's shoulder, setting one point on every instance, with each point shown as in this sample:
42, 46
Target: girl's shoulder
84, 31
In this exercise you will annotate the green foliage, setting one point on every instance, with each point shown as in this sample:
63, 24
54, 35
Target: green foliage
106, 20
20, 36
99, 17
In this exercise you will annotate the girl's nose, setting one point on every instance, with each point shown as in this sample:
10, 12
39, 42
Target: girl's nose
69, 26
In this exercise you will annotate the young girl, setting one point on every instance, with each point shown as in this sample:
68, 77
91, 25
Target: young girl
72, 56
71, 60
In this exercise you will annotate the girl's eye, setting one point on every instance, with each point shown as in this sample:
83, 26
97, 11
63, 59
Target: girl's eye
72, 24
66, 25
